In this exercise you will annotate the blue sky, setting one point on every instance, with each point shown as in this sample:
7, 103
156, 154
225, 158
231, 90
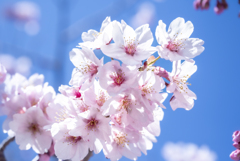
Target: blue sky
215, 115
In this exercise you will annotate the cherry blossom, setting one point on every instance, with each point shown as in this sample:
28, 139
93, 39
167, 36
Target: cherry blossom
29, 131
96, 96
94, 39
182, 97
68, 146
93, 126
115, 78
150, 86
131, 47
60, 109
123, 144
126, 109
87, 66
116, 107
175, 43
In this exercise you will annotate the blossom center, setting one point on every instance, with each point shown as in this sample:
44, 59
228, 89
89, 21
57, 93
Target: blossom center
92, 124
61, 115
82, 106
101, 99
90, 68
130, 47
96, 34
146, 89
76, 92
118, 77
172, 46
125, 103
33, 102
34, 128
120, 139
118, 119
181, 83
73, 139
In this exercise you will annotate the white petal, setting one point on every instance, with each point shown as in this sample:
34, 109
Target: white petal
161, 33
117, 33
176, 27
144, 35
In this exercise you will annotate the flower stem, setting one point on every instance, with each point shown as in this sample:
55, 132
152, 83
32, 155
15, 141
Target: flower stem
154, 60
3, 145
90, 154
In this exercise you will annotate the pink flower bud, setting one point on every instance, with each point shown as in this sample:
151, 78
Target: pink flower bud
197, 4
235, 155
161, 72
236, 145
220, 7
236, 136
202, 4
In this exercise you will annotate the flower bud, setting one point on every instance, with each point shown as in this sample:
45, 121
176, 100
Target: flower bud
236, 136
235, 155
236, 145
220, 7
201, 4
161, 72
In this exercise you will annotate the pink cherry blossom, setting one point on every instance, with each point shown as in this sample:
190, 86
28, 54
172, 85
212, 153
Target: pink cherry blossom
123, 144
182, 97
29, 132
126, 109
131, 47
87, 66
68, 146
115, 78
93, 126
60, 109
96, 96
150, 86
94, 39
176, 44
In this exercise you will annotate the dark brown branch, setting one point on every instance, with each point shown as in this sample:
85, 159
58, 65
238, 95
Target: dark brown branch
4, 144
90, 154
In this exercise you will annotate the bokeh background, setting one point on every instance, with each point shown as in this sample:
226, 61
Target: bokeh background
40, 43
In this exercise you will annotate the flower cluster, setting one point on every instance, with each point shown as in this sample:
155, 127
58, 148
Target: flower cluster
115, 107
235, 155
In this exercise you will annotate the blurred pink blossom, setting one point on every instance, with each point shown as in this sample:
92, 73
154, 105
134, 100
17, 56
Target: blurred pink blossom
26, 13
20, 65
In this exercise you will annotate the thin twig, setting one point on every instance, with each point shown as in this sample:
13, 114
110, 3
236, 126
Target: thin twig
4, 144
90, 154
